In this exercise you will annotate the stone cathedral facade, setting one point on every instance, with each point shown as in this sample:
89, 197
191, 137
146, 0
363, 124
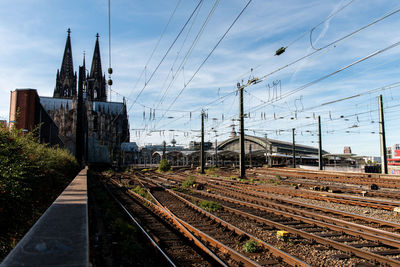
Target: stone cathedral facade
90, 127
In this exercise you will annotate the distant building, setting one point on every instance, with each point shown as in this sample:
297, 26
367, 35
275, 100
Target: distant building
130, 153
372, 159
396, 151
347, 150
394, 160
193, 145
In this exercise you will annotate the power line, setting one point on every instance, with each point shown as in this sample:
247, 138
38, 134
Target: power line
176, 59
165, 55
330, 74
332, 43
190, 50
204, 61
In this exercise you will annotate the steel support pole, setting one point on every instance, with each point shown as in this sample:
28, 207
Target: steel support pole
202, 143
383, 137
294, 149
320, 161
241, 136
216, 154
251, 164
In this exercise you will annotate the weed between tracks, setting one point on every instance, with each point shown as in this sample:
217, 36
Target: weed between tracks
209, 205
189, 182
251, 246
142, 192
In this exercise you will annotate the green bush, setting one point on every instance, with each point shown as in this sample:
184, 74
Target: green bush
189, 182
164, 166
141, 191
210, 205
251, 246
32, 175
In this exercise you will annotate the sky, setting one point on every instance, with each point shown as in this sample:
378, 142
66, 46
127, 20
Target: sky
173, 59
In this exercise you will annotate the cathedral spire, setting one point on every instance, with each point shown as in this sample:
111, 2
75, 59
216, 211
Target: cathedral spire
67, 67
97, 82
95, 70
66, 78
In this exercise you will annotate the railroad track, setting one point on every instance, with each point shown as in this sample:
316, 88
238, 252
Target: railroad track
227, 255
350, 178
257, 197
219, 232
250, 190
224, 232
343, 239
316, 195
329, 197
171, 244
339, 187
375, 241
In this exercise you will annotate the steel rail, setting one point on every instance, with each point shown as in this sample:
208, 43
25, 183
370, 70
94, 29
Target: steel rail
275, 251
180, 227
329, 197
252, 192
343, 247
349, 228
154, 243
314, 207
355, 178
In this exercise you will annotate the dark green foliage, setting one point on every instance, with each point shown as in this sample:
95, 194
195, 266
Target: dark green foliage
164, 166
32, 175
210, 205
251, 246
142, 192
190, 181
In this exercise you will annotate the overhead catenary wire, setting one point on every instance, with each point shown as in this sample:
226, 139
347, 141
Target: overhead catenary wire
171, 110
190, 50
165, 55
205, 60
321, 78
331, 43
171, 72
333, 73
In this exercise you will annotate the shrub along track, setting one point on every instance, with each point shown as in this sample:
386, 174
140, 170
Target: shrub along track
377, 241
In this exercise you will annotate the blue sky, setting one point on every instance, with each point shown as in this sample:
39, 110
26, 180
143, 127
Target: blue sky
33, 34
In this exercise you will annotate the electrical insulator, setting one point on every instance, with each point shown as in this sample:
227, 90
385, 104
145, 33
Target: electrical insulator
110, 70
109, 82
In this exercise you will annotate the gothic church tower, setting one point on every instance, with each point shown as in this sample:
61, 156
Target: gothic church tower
96, 89
66, 78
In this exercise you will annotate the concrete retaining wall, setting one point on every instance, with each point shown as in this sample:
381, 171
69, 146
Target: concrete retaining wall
60, 237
